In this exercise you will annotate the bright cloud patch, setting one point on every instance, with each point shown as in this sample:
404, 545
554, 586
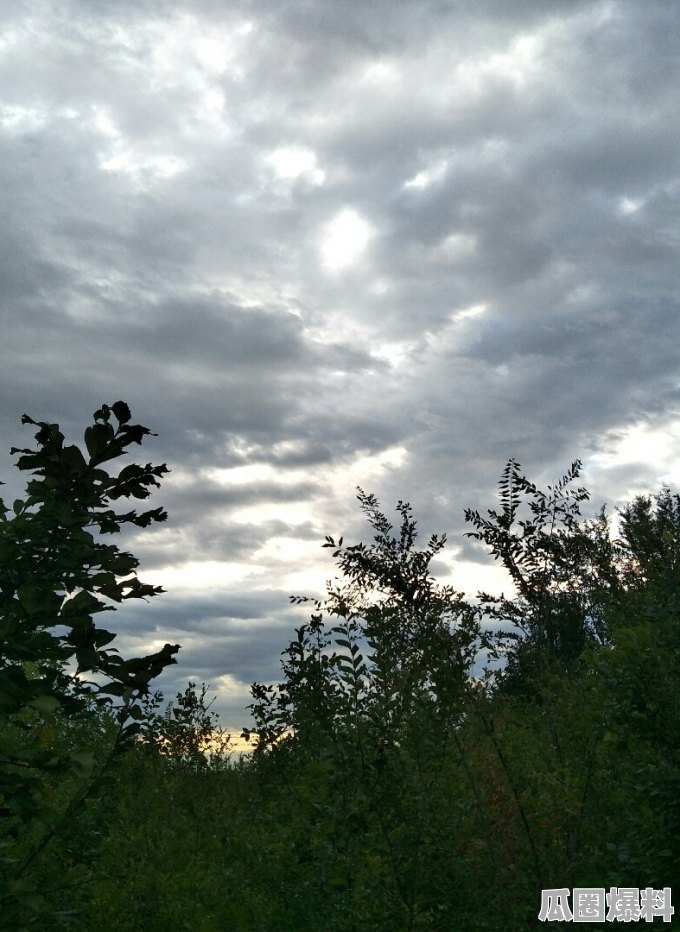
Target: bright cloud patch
202, 576
629, 205
474, 311
428, 176
118, 154
643, 443
21, 119
458, 246
291, 162
345, 240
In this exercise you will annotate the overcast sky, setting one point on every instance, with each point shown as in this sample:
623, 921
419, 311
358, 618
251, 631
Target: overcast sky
316, 244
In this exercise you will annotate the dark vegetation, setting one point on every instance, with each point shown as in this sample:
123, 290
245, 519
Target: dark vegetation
393, 784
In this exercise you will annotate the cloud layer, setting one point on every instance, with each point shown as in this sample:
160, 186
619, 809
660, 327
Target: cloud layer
326, 244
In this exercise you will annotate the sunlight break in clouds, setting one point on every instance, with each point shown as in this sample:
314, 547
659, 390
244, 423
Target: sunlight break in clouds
654, 446
345, 239
630, 205
292, 162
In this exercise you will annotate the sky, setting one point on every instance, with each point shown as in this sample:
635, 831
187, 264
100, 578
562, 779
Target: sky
322, 244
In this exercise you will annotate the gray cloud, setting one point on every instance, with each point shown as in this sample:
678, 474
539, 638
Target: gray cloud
170, 175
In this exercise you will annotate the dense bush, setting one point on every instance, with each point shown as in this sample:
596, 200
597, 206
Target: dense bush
68, 700
390, 787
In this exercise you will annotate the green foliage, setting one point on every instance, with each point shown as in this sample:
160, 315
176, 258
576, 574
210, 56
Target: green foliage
186, 733
562, 569
372, 686
508, 783
391, 787
401, 645
59, 676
